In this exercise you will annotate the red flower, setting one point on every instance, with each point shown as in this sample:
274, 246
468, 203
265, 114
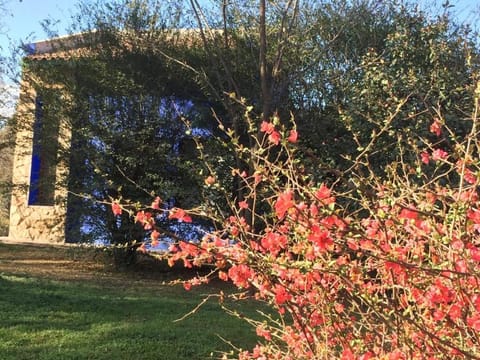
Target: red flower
210, 180
257, 178
436, 127
367, 356
352, 245
347, 354
470, 176
261, 331
439, 293
274, 137
156, 203
324, 195
284, 203
281, 295
187, 285
116, 208
179, 214
145, 218
243, 205
474, 215
140, 217
142, 248
320, 237
455, 312
475, 254
431, 197
240, 275
267, 127
474, 322
425, 156
273, 242
154, 236
439, 154
293, 137
408, 213
222, 275
339, 308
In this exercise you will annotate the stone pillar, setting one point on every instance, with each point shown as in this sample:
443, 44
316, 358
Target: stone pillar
42, 222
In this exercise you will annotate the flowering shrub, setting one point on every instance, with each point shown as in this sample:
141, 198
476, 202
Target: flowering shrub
357, 268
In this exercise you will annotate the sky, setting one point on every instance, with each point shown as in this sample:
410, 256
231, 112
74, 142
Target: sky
23, 18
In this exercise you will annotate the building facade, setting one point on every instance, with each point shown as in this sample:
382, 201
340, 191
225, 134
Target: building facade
39, 194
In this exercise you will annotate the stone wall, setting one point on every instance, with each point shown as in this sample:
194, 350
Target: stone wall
35, 223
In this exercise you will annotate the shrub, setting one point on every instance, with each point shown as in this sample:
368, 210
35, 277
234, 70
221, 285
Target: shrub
358, 267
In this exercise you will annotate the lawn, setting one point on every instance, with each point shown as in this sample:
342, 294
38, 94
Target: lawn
102, 317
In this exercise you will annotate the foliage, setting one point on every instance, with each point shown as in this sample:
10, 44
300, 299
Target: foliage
125, 104
381, 260
392, 272
405, 85
5, 137
6, 156
339, 67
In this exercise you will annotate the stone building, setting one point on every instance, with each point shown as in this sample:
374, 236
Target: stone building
38, 202
41, 202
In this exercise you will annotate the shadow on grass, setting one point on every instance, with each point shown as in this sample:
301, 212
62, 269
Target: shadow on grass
41, 319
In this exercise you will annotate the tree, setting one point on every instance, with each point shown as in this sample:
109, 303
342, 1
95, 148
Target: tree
6, 146
6, 156
126, 104
313, 60
381, 261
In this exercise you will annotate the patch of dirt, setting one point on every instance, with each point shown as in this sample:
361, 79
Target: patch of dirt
77, 263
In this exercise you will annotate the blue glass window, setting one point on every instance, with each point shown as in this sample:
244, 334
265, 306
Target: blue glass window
44, 153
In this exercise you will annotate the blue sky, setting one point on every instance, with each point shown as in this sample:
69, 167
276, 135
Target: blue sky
23, 18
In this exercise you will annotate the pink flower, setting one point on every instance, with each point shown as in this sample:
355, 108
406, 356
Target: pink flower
241, 275
470, 176
210, 180
324, 195
408, 213
439, 154
180, 215
116, 208
154, 236
156, 203
274, 137
293, 137
267, 127
436, 127
425, 156
243, 205
284, 203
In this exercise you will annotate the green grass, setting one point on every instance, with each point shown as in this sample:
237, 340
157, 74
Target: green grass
46, 319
